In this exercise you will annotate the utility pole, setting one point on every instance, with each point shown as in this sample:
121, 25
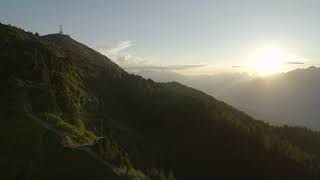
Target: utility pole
100, 139
101, 125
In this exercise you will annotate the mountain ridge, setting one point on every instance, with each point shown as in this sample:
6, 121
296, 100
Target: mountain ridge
154, 130
288, 98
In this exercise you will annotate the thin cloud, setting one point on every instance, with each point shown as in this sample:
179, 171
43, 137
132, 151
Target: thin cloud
118, 52
167, 68
115, 49
295, 62
126, 59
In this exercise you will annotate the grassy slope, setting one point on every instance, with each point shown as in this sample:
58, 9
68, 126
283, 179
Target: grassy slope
30, 151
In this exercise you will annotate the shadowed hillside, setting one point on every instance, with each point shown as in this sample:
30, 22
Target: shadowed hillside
80, 113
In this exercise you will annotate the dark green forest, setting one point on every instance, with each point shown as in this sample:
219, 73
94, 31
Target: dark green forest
68, 112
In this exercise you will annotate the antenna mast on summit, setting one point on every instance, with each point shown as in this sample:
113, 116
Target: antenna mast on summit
60, 31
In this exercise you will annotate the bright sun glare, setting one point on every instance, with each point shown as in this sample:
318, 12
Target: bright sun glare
266, 61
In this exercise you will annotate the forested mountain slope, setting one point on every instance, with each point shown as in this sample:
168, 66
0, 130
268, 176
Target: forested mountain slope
68, 112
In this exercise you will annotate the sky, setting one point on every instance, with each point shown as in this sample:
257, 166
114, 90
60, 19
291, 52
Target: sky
209, 35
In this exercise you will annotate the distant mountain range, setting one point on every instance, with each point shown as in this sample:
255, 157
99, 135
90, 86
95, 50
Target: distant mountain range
289, 98
68, 112
214, 85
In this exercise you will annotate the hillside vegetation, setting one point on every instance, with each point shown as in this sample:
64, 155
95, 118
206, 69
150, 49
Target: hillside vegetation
68, 112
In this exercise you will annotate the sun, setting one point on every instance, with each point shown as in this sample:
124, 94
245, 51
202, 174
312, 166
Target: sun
266, 61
